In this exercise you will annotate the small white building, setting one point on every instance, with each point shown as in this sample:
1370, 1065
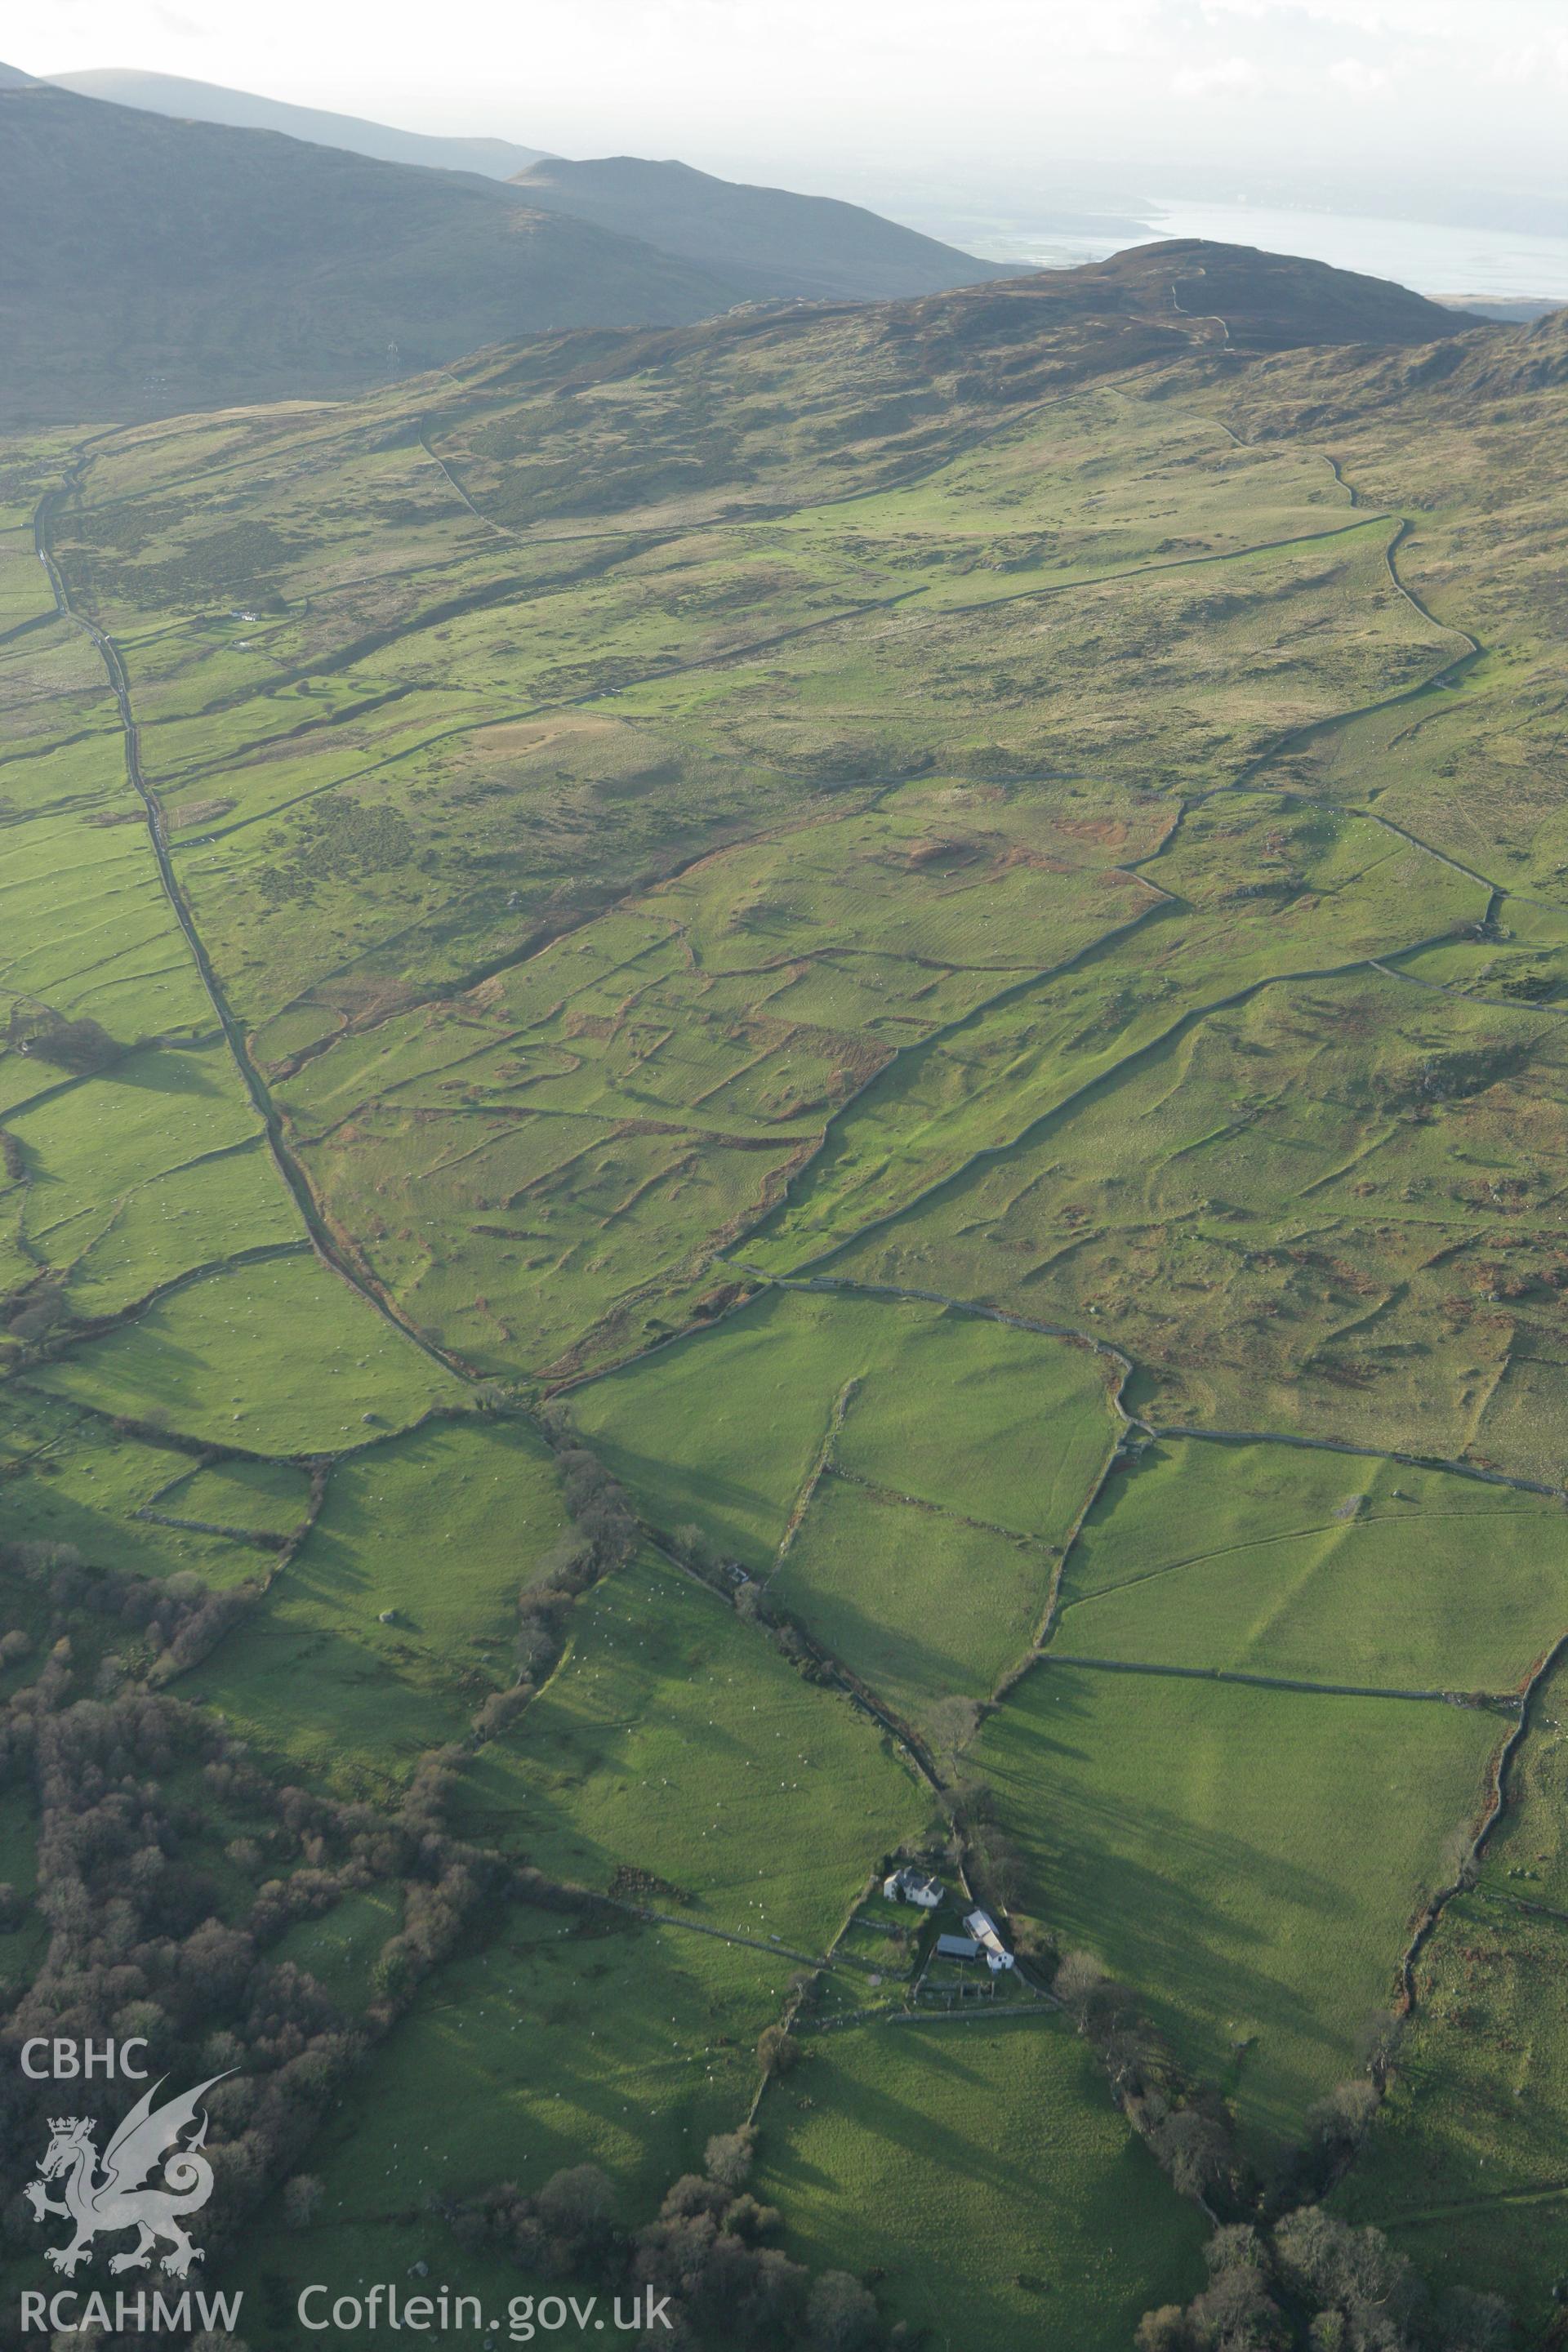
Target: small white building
909, 1886
988, 1936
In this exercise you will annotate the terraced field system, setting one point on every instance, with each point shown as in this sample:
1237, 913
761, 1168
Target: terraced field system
952, 960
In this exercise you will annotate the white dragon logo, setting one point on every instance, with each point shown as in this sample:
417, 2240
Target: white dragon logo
115, 2199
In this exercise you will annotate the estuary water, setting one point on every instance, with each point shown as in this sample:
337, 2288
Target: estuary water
1500, 264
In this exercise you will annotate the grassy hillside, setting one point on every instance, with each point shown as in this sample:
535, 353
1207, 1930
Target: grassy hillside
985, 2166
934, 936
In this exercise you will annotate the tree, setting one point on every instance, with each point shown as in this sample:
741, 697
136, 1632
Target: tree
1078, 1976
728, 2156
578, 2204
48, 1036
776, 2052
1194, 2149
1379, 2042
394, 1975
37, 1318
1237, 2310
1333, 2267
951, 1723
840, 2314
1337, 2126
302, 2200
1096, 2003
1478, 2323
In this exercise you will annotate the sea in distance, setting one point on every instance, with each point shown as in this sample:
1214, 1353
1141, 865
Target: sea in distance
1498, 264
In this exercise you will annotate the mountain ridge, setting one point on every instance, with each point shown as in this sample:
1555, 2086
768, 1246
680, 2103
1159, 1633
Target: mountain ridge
782, 242
242, 109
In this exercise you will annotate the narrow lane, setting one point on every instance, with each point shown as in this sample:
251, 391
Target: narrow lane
326, 1246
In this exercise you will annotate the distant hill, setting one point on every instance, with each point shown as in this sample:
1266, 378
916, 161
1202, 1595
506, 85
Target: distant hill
150, 265
1265, 302
1507, 311
12, 79
779, 243
207, 101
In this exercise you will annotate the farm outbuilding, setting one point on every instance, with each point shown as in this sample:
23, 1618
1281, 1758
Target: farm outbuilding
988, 1938
957, 1947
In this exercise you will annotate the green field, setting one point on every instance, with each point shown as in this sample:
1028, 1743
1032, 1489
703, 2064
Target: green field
1297, 1213
1252, 1861
443, 1526
673, 1743
899, 1479
553, 2048
984, 2168
758, 1394
279, 1333
271, 1497
396, 1618
549, 2049
1318, 1567
73, 1479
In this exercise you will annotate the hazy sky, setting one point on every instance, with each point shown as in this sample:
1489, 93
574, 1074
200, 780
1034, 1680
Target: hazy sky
819, 90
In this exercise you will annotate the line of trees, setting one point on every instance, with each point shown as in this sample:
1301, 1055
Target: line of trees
1184, 2123
142, 1937
602, 1535
711, 2251
1312, 2284
146, 1629
1287, 2277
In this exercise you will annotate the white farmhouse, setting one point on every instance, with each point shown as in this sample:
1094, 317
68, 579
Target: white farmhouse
907, 1885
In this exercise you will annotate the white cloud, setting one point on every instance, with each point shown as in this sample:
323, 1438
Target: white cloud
778, 89
1226, 78
1533, 61
1357, 79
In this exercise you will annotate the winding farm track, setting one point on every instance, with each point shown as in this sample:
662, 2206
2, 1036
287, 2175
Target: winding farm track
327, 1249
